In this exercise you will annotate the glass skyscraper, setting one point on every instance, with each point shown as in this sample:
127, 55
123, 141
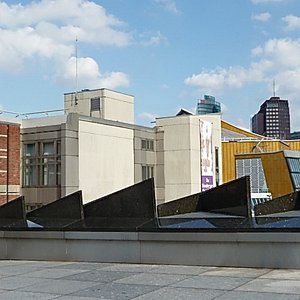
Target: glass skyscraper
208, 105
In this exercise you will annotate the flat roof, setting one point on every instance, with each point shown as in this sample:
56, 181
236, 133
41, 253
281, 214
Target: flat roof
95, 90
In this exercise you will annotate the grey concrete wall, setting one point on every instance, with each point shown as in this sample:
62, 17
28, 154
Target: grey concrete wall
264, 250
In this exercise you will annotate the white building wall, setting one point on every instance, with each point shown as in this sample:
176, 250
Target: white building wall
181, 161
106, 160
177, 156
118, 107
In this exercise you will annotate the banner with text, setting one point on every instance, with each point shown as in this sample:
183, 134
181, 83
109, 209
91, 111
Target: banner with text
206, 159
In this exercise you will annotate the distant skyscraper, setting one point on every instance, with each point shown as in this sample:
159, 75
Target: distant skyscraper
273, 119
208, 105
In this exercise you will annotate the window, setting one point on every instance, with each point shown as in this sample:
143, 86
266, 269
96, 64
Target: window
30, 164
294, 166
95, 104
42, 164
254, 168
147, 172
147, 144
48, 164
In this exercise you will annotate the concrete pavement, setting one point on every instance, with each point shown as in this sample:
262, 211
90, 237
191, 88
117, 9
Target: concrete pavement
84, 281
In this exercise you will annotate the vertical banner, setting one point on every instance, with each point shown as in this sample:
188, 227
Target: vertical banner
206, 158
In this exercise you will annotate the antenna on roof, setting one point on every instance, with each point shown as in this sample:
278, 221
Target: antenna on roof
76, 70
274, 88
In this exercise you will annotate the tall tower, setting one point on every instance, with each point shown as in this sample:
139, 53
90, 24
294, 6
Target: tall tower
273, 119
208, 105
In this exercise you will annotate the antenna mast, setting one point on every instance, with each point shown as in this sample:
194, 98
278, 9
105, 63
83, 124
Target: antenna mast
76, 70
273, 87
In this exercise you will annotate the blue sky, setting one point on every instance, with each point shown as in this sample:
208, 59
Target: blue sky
167, 53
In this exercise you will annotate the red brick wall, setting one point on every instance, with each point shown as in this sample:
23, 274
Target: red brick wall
9, 159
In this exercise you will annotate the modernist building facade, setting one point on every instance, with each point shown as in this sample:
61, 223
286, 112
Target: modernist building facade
96, 147
273, 119
273, 164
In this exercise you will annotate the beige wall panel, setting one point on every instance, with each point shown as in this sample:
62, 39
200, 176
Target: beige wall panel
106, 160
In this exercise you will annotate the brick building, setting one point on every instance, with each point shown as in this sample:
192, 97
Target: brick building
9, 161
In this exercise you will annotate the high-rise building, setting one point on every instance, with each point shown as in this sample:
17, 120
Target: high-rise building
208, 105
273, 119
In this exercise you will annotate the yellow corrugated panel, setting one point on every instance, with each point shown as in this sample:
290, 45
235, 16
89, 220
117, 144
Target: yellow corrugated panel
233, 148
236, 129
276, 172
294, 145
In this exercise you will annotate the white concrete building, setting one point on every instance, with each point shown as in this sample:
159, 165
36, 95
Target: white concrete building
179, 168
96, 148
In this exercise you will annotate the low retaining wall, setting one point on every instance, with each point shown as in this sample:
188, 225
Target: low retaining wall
264, 250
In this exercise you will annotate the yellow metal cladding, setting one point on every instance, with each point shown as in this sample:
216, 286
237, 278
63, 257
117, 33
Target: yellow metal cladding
256, 146
233, 128
294, 145
276, 172
232, 148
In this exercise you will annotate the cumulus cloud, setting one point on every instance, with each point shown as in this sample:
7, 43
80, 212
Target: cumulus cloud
169, 6
47, 30
215, 81
276, 58
292, 22
64, 19
263, 17
89, 75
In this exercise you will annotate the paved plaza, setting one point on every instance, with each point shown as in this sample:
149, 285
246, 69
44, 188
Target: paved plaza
84, 281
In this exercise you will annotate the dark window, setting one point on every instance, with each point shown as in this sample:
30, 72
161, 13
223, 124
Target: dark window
147, 172
95, 104
147, 144
42, 164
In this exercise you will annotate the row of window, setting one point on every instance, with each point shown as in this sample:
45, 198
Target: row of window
42, 164
147, 144
147, 172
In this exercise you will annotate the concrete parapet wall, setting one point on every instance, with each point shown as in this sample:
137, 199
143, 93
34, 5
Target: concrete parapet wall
264, 250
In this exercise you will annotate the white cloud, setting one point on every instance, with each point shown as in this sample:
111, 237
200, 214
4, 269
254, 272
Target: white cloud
277, 58
64, 19
292, 22
170, 6
114, 79
25, 43
89, 75
263, 17
213, 82
47, 30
